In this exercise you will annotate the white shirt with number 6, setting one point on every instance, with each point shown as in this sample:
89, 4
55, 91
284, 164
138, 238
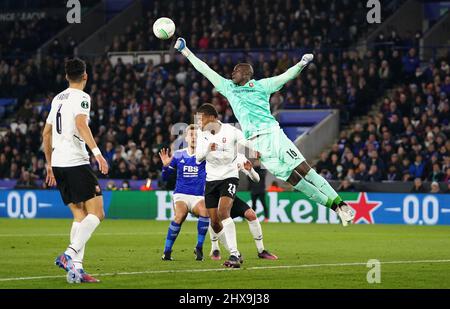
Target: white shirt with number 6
68, 147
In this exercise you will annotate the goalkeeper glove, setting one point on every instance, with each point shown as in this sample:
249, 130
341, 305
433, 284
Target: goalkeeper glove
180, 45
306, 59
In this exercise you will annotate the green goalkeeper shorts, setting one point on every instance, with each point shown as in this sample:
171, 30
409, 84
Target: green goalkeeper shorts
278, 153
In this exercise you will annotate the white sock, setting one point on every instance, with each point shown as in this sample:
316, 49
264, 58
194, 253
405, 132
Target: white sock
85, 230
214, 239
223, 239
256, 230
229, 230
78, 259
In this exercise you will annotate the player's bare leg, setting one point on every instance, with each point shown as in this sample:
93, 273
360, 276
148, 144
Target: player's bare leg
256, 231
342, 209
199, 210
181, 212
229, 231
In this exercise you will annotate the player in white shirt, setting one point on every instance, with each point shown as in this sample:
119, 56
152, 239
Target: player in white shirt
65, 136
218, 144
241, 209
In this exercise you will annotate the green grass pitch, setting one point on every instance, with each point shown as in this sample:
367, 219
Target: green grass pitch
127, 254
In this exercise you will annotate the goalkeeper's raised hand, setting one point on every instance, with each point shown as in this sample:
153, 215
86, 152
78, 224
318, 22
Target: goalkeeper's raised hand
306, 59
180, 45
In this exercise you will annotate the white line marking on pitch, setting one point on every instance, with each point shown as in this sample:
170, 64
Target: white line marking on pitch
99, 234
228, 269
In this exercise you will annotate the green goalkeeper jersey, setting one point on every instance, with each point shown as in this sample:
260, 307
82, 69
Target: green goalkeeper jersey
250, 103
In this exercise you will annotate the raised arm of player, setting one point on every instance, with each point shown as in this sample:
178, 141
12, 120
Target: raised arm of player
199, 65
169, 163
81, 123
47, 145
273, 84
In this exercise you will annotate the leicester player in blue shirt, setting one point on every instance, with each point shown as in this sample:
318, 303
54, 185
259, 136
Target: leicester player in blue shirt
188, 195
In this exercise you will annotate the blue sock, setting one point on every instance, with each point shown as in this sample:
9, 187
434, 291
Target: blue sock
172, 233
202, 229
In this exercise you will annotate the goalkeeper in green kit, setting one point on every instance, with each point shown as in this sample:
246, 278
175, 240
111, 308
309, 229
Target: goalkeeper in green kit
249, 99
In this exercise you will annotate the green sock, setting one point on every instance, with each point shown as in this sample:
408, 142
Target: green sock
313, 193
320, 183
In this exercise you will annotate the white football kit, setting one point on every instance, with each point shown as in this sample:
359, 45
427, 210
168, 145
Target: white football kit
69, 149
221, 163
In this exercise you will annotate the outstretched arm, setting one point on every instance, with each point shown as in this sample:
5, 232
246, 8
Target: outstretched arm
199, 65
273, 84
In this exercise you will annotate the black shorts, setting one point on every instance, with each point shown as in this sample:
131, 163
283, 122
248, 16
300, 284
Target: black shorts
239, 208
214, 190
76, 183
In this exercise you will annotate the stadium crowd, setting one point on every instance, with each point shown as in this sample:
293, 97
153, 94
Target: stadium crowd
136, 106
253, 24
408, 139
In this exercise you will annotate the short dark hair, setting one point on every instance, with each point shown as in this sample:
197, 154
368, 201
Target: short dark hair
75, 68
208, 110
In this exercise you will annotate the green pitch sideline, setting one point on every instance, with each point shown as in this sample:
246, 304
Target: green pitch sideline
249, 99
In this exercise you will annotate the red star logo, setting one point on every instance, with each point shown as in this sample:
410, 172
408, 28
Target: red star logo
364, 208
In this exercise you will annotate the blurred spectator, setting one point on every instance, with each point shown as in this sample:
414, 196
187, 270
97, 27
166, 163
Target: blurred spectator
346, 186
417, 168
361, 174
393, 174
436, 174
447, 175
410, 63
274, 187
435, 187
25, 181
374, 174
111, 186
125, 186
323, 163
418, 186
